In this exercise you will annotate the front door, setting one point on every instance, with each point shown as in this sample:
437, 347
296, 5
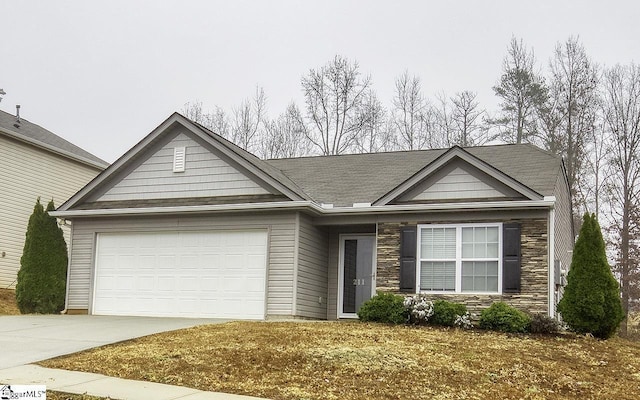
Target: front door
357, 273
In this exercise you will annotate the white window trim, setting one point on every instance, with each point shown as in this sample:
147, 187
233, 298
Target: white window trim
458, 260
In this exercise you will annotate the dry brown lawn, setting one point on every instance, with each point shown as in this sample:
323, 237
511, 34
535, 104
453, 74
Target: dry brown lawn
8, 302
352, 360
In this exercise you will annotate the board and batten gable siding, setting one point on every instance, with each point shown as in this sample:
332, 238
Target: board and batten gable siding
26, 173
280, 266
205, 175
312, 278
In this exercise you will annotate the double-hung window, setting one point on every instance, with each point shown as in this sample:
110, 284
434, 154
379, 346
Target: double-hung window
460, 258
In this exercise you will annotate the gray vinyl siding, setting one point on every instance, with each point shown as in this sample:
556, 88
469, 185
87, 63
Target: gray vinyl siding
564, 234
26, 173
205, 174
311, 284
281, 228
458, 184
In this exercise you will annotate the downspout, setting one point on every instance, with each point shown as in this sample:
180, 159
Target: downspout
296, 258
551, 259
69, 250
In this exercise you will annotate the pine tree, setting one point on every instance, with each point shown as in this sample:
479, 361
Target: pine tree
591, 301
43, 267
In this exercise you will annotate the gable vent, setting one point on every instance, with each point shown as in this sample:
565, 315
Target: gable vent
179, 159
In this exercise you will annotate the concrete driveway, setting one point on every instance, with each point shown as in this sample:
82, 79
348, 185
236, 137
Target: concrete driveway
27, 339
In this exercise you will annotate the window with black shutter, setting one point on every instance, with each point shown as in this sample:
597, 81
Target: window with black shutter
408, 238
511, 257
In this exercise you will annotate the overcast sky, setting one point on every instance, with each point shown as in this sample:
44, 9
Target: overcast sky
103, 74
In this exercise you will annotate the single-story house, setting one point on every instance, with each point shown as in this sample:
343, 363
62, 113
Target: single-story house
34, 162
187, 224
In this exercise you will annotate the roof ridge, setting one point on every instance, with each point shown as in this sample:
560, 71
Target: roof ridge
466, 148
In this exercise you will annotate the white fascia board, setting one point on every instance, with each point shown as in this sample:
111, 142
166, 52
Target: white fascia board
488, 205
309, 206
182, 209
52, 149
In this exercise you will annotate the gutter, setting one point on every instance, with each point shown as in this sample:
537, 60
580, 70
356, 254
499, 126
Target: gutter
312, 207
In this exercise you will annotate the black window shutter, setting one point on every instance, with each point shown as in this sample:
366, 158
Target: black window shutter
511, 258
408, 250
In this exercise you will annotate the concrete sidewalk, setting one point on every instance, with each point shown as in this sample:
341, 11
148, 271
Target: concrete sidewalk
104, 386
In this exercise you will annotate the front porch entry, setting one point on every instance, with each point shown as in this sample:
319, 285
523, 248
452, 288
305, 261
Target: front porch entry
356, 273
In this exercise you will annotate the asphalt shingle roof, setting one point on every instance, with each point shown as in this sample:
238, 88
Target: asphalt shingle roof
33, 132
364, 178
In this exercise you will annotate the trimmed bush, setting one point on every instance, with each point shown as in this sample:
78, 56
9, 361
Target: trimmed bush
591, 301
384, 307
542, 323
42, 276
502, 317
446, 312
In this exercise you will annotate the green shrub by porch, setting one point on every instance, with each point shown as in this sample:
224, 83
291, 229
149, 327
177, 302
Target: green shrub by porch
591, 301
502, 317
445, 312
43, 267
384, 307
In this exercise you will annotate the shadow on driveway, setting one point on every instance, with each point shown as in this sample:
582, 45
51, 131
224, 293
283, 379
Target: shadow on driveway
26, 339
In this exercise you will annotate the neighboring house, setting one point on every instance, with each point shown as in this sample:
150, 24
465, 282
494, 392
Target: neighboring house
188, 224
34, 163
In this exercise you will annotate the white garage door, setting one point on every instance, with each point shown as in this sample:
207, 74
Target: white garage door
214, 274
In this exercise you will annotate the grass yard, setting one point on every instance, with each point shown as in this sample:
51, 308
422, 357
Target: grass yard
351, 360
8, 304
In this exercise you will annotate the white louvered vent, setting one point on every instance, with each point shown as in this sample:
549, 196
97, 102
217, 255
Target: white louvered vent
179, 159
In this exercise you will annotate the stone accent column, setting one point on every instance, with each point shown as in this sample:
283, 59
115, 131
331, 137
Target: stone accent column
388, 257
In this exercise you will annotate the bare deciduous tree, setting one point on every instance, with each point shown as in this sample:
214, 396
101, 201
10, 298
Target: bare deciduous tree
375, 135
444, 125
621, 113
216, 120
413, 117
286, 136
247, 118
334, 95
467, 119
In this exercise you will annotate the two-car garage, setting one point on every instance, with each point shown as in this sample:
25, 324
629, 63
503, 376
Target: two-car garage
212, 274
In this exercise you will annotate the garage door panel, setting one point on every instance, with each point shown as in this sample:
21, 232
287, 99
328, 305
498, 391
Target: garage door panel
185, 274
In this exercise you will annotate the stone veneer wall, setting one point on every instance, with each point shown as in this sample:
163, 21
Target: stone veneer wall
534, 274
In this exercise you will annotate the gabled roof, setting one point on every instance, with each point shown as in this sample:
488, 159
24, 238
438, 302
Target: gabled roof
345, 181
447, 157
259, 168
36, 135
365, 178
